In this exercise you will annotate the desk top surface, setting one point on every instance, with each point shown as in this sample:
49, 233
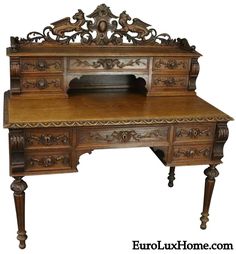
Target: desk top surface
107, 109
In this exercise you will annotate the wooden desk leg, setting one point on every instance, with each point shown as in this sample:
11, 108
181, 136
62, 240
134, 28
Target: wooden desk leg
19, 186
211, 173
171, 177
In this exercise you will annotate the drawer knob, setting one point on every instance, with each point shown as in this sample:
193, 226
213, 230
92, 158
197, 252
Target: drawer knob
41, 65
41, 84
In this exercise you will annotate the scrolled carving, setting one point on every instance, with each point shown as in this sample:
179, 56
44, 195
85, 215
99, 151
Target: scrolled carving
192, 152
41, 83
170, 64
18, 185
15, 75
221, 136
40, 65
124, 136
109, 63
169, 81
193, 132
48, 161
47, 139
194, 70
109, 29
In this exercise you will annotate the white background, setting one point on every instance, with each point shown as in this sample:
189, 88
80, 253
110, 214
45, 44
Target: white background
121, 195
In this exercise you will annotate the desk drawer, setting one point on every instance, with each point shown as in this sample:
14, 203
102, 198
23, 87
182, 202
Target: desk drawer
191, 153
47, 138
41, 83
32, 65
48, 162
108, 64
169, 81
170, 64
193, 133
115, 137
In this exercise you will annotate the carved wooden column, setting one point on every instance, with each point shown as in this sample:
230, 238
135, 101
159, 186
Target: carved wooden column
19, 186
171, 177
211, 173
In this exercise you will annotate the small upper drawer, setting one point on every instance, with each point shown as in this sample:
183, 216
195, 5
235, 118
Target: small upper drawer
41, 65
108, 64
52, 83
52, 137
194, 132
169, 81
171, 64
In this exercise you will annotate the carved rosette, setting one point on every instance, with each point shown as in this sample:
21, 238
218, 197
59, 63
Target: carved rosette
221, 136
107, 27
194, 70
192, 153
15, 75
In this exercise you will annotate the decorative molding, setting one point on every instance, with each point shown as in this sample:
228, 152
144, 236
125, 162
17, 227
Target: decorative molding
41, 83
116, 123
221, 136
108, 63
193, 132
192, 152
48, 161
169, 82
124, 136
48, 139
109, 29
194, 70
170, 64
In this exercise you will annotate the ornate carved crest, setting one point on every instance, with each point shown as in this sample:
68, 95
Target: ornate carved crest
108, 28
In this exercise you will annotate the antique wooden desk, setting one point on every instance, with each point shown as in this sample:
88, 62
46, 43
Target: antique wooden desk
106, 82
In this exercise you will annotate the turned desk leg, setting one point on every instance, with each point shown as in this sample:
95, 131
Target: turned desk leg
19, 186
211, 173
171, 177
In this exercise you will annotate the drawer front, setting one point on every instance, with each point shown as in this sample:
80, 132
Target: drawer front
37, 83
52, 137
171, 64
121, 136
29, 65
193, 153
192, 133
169, 81
111, 64
47, 161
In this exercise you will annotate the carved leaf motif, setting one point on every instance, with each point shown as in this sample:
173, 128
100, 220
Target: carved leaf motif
193, 132
169, 82
48, 139
48, 161
124, 136
191, 153
108, 63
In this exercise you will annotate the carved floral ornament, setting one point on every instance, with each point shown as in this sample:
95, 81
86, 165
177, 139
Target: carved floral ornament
101, 28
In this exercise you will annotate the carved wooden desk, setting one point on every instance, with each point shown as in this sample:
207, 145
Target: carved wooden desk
68, 98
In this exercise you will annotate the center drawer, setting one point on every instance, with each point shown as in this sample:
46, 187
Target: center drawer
122, 136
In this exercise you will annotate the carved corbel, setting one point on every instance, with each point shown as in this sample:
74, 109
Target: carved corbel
221, 135
194, 70
15, 75
16, 143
